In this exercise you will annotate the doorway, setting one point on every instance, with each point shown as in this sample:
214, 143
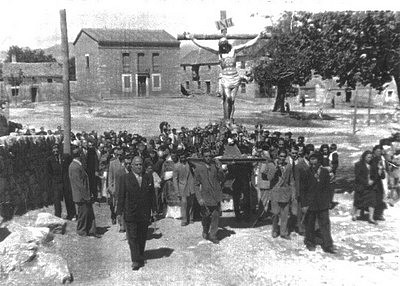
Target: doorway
33, 94
141, 83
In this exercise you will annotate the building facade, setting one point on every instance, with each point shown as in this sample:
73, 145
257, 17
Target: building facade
124, 63
32, 82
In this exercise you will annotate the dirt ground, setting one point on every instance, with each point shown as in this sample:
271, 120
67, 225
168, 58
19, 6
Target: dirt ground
175, 255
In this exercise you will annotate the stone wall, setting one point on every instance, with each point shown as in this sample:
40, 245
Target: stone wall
23, 175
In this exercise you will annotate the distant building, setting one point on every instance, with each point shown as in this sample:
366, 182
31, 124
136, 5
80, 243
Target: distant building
115, 63
31, 81
200, 70
325, 91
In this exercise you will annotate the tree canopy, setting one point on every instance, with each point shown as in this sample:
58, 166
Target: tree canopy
353, 46
27, 55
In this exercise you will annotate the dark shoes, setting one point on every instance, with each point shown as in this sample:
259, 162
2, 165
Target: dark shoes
330, 250
287, 237
184, 223
381, 218
275, 234
204, 235
310, 247
372, 222
214, 240
113, 221
137, 265
95, 235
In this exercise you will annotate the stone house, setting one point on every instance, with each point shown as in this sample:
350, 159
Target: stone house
124, 63
31, 81
325, 91
200, 71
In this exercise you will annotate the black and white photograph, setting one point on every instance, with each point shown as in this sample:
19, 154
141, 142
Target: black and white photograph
200, 142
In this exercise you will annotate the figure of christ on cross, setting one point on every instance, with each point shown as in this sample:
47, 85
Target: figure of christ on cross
229, 78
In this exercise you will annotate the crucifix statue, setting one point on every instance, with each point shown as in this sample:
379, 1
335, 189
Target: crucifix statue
229, 78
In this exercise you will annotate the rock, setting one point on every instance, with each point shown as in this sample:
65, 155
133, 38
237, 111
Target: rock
39, 235
56, 224
15, 251
46, 269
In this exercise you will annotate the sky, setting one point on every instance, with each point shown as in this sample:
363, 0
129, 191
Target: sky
36, 23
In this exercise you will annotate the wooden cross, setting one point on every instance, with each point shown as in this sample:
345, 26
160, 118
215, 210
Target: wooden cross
223, 24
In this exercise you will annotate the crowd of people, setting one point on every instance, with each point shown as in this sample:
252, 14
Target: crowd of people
377, 182
179, 174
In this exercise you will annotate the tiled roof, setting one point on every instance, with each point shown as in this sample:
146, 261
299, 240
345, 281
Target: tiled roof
199, 57
49, 69
130, 37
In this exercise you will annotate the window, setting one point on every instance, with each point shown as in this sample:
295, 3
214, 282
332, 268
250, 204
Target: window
390, 93
14, 90
156, 82
126, 82
187, 84
49, 80
87, 60
126, 65
243, 87
208, 87
156, 62
199, 85
141, 66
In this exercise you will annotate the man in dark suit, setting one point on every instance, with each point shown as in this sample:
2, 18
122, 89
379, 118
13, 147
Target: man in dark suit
208, 177
135, 197
316, 200
54, 170
301, 176
81, 195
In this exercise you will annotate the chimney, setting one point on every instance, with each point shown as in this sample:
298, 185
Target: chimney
13, 58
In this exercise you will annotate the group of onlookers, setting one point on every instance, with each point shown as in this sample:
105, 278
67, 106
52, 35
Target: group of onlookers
377, 182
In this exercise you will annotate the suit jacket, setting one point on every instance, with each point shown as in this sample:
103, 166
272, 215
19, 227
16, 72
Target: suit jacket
301, 176
112, 176
135, 201
183, 179
207, 184
319, 194
282, 187
79, 182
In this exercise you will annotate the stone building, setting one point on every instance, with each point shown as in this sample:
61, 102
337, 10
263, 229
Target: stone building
200, 70
124, 63
31, 81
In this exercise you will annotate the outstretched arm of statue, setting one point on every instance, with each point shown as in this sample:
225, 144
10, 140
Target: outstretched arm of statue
196, 42
250, 43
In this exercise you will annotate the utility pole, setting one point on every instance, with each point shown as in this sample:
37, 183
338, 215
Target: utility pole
66, 89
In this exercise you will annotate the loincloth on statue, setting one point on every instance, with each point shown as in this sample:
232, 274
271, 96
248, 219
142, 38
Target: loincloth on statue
230, 80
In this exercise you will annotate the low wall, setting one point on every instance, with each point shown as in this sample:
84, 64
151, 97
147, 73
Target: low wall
23, 176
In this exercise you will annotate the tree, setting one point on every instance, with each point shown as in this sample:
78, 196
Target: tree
354, 46
26, 55
286, 62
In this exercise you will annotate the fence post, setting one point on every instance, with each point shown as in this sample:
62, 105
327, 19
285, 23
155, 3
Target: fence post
369, 105
355, 110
